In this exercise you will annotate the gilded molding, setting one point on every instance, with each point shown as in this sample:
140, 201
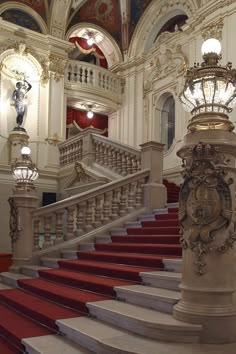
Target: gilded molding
213, 30
54, 139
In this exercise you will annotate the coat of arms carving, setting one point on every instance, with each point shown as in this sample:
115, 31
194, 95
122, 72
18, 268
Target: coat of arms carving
205, 203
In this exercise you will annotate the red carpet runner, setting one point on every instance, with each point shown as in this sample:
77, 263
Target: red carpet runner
92, 277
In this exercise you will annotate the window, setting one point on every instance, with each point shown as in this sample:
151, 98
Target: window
168, 122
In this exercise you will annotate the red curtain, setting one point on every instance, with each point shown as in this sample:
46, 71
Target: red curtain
82, 42
99, 121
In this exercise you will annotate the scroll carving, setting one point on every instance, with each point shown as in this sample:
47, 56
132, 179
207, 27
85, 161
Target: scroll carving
14, 223
205, 204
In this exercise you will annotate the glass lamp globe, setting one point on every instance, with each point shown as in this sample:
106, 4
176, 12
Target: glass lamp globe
24, 170
211, 45
210, 90
25, 150
90, 114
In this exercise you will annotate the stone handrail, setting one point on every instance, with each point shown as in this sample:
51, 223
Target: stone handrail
120, 158
74, 216
81, 73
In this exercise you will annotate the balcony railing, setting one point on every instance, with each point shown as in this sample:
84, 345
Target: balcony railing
89, 75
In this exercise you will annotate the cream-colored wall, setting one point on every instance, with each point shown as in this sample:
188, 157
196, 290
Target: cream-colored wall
146, 82
44, 120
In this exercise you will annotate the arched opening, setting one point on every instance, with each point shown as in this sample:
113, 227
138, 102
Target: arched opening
173, 24
168, 122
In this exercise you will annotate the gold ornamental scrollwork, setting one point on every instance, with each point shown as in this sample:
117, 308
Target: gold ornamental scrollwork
57, 66
213, 30
205, 205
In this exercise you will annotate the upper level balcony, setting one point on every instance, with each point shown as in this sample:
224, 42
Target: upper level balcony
92, 82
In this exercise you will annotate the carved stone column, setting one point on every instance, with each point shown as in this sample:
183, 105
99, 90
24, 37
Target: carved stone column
21, 228
207, 218
155, 195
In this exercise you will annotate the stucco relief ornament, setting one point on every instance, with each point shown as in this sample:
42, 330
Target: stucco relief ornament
205, 203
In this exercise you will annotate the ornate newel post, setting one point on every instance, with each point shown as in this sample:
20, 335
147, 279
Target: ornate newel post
207, 200
22, 202
155, 194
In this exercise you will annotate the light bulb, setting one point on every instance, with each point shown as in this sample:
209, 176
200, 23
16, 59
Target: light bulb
90, 41
90, 114
25, 150
211, 45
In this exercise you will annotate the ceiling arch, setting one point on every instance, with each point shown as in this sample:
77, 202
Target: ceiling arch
108, 45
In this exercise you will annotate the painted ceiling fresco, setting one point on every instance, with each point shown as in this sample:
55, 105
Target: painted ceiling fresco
37, 5
20, 18
104, 13
107, 14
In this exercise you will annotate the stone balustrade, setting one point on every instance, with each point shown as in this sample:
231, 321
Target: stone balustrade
71, 150
87, 211
120, 158
89, 75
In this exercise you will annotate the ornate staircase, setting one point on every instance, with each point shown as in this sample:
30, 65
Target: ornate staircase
95, 286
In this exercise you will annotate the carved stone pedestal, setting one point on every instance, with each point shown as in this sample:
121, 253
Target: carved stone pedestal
17, 139
155, 193
21, 204
207, 218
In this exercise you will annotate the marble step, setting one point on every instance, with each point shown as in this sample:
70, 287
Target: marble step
148, 217
120, 232
159, 279
69, 254
32, 270
146, 322
52, 344
103, 338
4, 286
11, 278
173, 265
103, 239
50, 262
158, 299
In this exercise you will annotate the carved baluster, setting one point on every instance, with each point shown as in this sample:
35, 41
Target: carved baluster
101, 154
89, 214
134, 165
91, 78
70, 223
98, 211
47, 230
86, 76
107, 207
139, 193
118, 162
123, 164
80, 149
81, 74
139, 163
96, 152
106, 148
75, 73
123, 200
109, 157
114, 160
80, 220
115, 204
36, 234
131, 196
129, 164
59, 226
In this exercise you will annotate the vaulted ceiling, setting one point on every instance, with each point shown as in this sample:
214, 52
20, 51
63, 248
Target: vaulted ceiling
111, 15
